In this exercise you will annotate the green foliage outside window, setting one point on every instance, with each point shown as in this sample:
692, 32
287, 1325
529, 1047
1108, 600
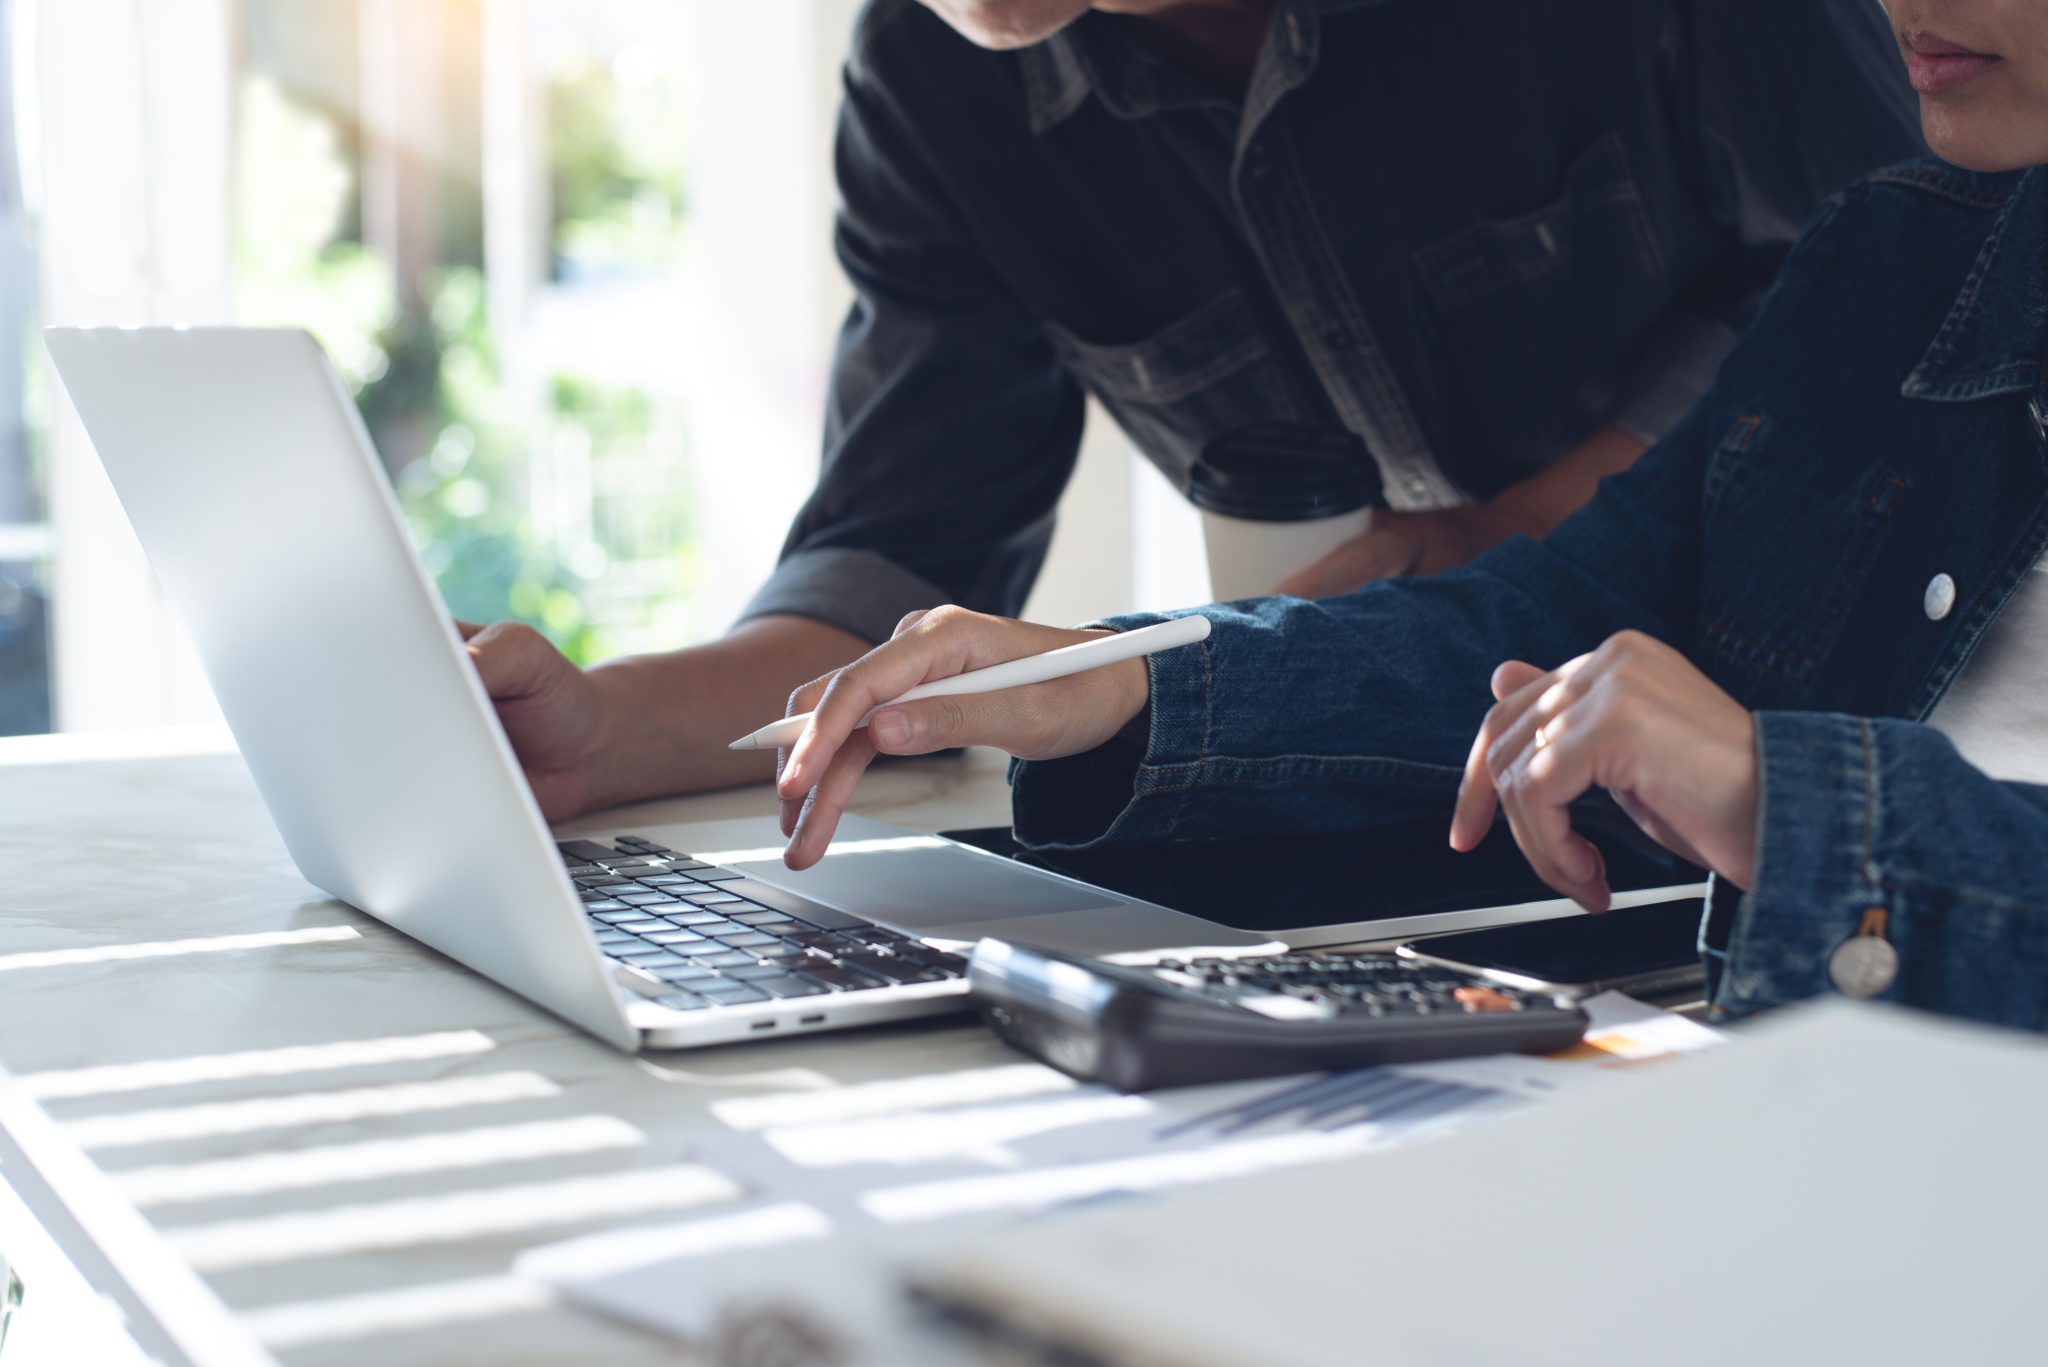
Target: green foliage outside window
565, 508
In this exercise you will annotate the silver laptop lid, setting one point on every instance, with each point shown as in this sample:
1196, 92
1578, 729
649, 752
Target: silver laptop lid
256, 493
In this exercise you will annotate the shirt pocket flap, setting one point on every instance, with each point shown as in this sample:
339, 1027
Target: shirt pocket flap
1600, 209
1214, 342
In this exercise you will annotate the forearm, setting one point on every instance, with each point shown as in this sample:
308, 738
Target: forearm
1429, 542
1545, 499
1332, 714
1860, 815
668, 717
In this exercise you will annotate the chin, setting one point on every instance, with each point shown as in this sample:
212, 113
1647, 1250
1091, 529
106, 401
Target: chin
1002, 25
1964, 143
1986, 129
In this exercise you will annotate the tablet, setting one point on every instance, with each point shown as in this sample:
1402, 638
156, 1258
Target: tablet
1650, 952
1381, 886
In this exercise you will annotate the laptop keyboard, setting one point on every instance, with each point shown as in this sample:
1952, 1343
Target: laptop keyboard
714, 937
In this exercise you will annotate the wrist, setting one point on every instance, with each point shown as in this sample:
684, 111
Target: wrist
623, 730
1135, 703
1509, 513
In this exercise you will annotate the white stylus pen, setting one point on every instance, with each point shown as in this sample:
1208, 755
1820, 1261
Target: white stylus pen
1054, 664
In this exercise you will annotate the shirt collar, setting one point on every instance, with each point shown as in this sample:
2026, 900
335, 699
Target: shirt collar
1089, 57
1994, 337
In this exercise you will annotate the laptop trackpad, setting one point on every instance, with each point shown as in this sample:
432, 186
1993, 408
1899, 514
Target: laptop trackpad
927, 887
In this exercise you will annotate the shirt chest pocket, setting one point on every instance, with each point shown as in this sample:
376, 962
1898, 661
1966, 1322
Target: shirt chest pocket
1208, 373
1542, 310
1771, 499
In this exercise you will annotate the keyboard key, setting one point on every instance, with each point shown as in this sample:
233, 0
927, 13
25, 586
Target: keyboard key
676, 939
606, 908
753, 972
952, 965
745, 939
757, 915
791, 985
681, 1001
713, 899
652, 959
640, 897
685, 974
842, 979
613, 915
584, 851
725, 992
883, 966
731, 958
827, 942
613, 940
882, 938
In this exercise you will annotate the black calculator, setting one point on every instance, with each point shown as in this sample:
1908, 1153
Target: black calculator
1179, 1022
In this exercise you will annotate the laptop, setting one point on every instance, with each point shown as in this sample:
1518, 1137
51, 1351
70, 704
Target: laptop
248, 475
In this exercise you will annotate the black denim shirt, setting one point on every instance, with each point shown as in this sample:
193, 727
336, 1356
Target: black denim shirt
1471, 231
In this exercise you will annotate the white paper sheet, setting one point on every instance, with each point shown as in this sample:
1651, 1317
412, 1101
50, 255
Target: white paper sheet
854, 1180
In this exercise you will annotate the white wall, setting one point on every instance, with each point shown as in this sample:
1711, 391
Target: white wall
131, 207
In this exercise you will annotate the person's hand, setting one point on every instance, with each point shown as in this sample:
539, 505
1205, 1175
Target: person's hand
817, 775
551, 711
1394, 544
1634, 717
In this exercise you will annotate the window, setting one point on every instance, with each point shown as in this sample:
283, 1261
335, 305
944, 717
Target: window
573, 257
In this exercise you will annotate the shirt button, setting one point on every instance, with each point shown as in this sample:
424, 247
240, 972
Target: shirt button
1940, 597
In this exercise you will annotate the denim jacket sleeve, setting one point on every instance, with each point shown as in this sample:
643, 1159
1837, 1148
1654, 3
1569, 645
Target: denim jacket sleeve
1862, 814
950, 425
1338, 713
1744, 71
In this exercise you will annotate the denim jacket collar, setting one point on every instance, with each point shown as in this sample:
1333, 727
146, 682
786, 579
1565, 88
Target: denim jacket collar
1085, 58
1996, 333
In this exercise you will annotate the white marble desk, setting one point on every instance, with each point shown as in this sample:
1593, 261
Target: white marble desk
106, 843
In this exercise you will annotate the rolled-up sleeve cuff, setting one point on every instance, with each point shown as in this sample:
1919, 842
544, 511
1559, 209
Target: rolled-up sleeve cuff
1672, 374
1815, 875
1116, 793
856, 591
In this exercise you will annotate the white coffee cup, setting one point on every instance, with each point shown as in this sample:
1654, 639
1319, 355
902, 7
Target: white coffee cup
1250, 559
1275, 499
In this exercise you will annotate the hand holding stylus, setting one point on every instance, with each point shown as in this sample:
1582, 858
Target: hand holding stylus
1040, 720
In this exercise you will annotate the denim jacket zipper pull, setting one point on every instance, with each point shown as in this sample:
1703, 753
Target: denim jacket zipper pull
1866, 963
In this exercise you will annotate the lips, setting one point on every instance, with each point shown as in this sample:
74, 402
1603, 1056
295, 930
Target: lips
1937, 66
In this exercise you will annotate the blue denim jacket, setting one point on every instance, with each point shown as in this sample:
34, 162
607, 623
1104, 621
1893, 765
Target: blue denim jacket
1469, 232
1885, 420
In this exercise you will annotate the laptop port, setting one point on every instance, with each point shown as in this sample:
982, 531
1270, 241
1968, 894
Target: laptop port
762, 1025
818, 1019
